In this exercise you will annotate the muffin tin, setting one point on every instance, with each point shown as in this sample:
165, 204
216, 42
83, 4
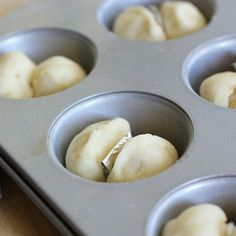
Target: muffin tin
153, 85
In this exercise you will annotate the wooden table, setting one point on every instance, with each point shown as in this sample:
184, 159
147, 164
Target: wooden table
7, 6
18, 215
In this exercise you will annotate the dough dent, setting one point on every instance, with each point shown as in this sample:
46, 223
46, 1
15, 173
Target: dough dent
138, 23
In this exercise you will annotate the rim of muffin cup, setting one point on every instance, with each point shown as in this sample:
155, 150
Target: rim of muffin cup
42, 43
164, 116
214, 56
110, 9
219, 190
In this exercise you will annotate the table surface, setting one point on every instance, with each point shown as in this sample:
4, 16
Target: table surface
18, 215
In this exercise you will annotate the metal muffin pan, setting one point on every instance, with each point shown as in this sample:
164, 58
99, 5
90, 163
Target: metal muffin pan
153, 85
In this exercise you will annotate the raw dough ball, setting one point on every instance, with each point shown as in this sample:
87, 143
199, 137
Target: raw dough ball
220, 89
56, 74
230, 229
199, 220
181, 18
138, 23
143, 156
16, 70
234, 231
92, 145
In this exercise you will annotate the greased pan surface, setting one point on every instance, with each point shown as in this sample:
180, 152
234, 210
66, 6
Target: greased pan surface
150, 84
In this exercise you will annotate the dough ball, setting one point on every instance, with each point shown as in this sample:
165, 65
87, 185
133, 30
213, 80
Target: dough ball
220, 89
92, 145
56, 74
138, 23
181, 18
16, 70
199, 220
234, 231
143, 156
230, 229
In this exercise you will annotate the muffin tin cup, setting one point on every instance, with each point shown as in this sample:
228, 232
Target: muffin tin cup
214, 56
145, 83
218, 190
110, 9
42, 43
146, 113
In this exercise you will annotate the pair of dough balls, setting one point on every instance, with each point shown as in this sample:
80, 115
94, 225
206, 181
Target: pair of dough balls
172, 20
220, 89
20, 78
142, 156
200, 220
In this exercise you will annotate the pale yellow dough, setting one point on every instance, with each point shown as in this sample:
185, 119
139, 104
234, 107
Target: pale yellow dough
92, 145
175, 19
181, 18
143, 156
138, 23
220, 89
200, 220
56, 74
16, 70
231, 229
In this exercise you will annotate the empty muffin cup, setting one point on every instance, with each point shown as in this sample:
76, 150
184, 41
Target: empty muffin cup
146, 113
70, 50
217, 190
